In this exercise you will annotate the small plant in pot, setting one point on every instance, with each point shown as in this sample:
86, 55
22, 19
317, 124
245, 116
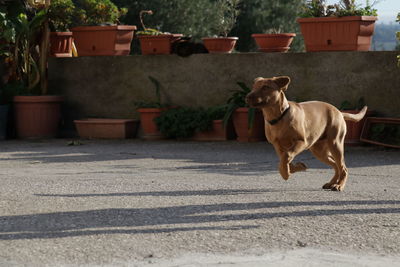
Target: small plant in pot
273, 40
248, 122
149, 111
228, 11
200, 124
98, 31
61, 14
344, 26
155, 42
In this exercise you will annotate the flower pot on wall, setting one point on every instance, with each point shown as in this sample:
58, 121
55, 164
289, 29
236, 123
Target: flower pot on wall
241, 124
103, 40
106, 128
353, 33
279, 42
158, 44
37, 116
220, 44
149, 127
217, 133
61, 44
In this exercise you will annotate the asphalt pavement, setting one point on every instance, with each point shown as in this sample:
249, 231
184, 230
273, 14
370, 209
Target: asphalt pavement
169, 203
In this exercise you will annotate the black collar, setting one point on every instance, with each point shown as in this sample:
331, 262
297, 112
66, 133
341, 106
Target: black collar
275, 121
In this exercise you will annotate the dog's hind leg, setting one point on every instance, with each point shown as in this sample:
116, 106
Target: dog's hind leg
337, 150
321, 151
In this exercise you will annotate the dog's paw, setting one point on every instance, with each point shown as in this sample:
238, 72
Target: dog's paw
327, 186
337, 187
301, 166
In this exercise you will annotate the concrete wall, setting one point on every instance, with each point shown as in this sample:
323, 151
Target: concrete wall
108, 86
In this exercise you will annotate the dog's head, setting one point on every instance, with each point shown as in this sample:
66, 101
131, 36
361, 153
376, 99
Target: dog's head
267, 91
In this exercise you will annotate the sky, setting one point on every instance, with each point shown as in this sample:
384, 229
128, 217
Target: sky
387, 9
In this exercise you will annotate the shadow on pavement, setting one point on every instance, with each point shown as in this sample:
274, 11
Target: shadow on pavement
104, 221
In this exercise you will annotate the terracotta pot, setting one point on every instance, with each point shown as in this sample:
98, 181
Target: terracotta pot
240, 122
351, 33
150, 129
103, 40
37, 116
106, 128
61, 44
220, 44
279, 42
354, 129
217, 133
158, 44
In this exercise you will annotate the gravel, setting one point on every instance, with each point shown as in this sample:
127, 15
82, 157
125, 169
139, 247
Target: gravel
166, 203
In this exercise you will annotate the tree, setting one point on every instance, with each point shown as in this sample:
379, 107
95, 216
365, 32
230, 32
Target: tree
258, 16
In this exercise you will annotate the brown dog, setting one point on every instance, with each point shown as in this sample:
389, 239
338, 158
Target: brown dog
294, 127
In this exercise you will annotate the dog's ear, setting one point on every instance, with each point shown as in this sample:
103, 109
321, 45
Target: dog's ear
282, 82
258, 79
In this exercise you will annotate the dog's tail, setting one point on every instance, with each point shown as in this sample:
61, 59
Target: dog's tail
355, 117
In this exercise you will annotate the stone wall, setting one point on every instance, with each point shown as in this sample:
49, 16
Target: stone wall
109, 86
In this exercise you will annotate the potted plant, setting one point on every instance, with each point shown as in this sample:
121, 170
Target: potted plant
228, 11
149, 111
154, 42
36, 113
7, 39
382, 131
340, 27
99, 32
273, 41
200, 124
354, 129
61, 14
248, 122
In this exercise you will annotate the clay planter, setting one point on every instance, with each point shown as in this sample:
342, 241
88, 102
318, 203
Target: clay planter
106, 128
354, 129
279, 42
353, 33
37, 116
103, 40
217, 133
149, 127
240, 122
61, 44
220, 44
3, 121
158, 44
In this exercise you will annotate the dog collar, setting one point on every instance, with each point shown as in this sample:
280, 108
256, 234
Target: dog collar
275, 121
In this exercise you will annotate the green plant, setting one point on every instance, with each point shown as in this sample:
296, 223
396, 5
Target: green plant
347, 105
398, 38
152, 104
61, 13
227, 12
237, 100
147, 31
25, 47
319, 8
274, 31
385, 133
97, 12
184, 122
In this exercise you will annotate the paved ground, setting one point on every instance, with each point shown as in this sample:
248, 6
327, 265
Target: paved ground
134, 203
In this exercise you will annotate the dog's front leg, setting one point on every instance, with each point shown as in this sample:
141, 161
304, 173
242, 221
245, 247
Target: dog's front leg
286, 168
